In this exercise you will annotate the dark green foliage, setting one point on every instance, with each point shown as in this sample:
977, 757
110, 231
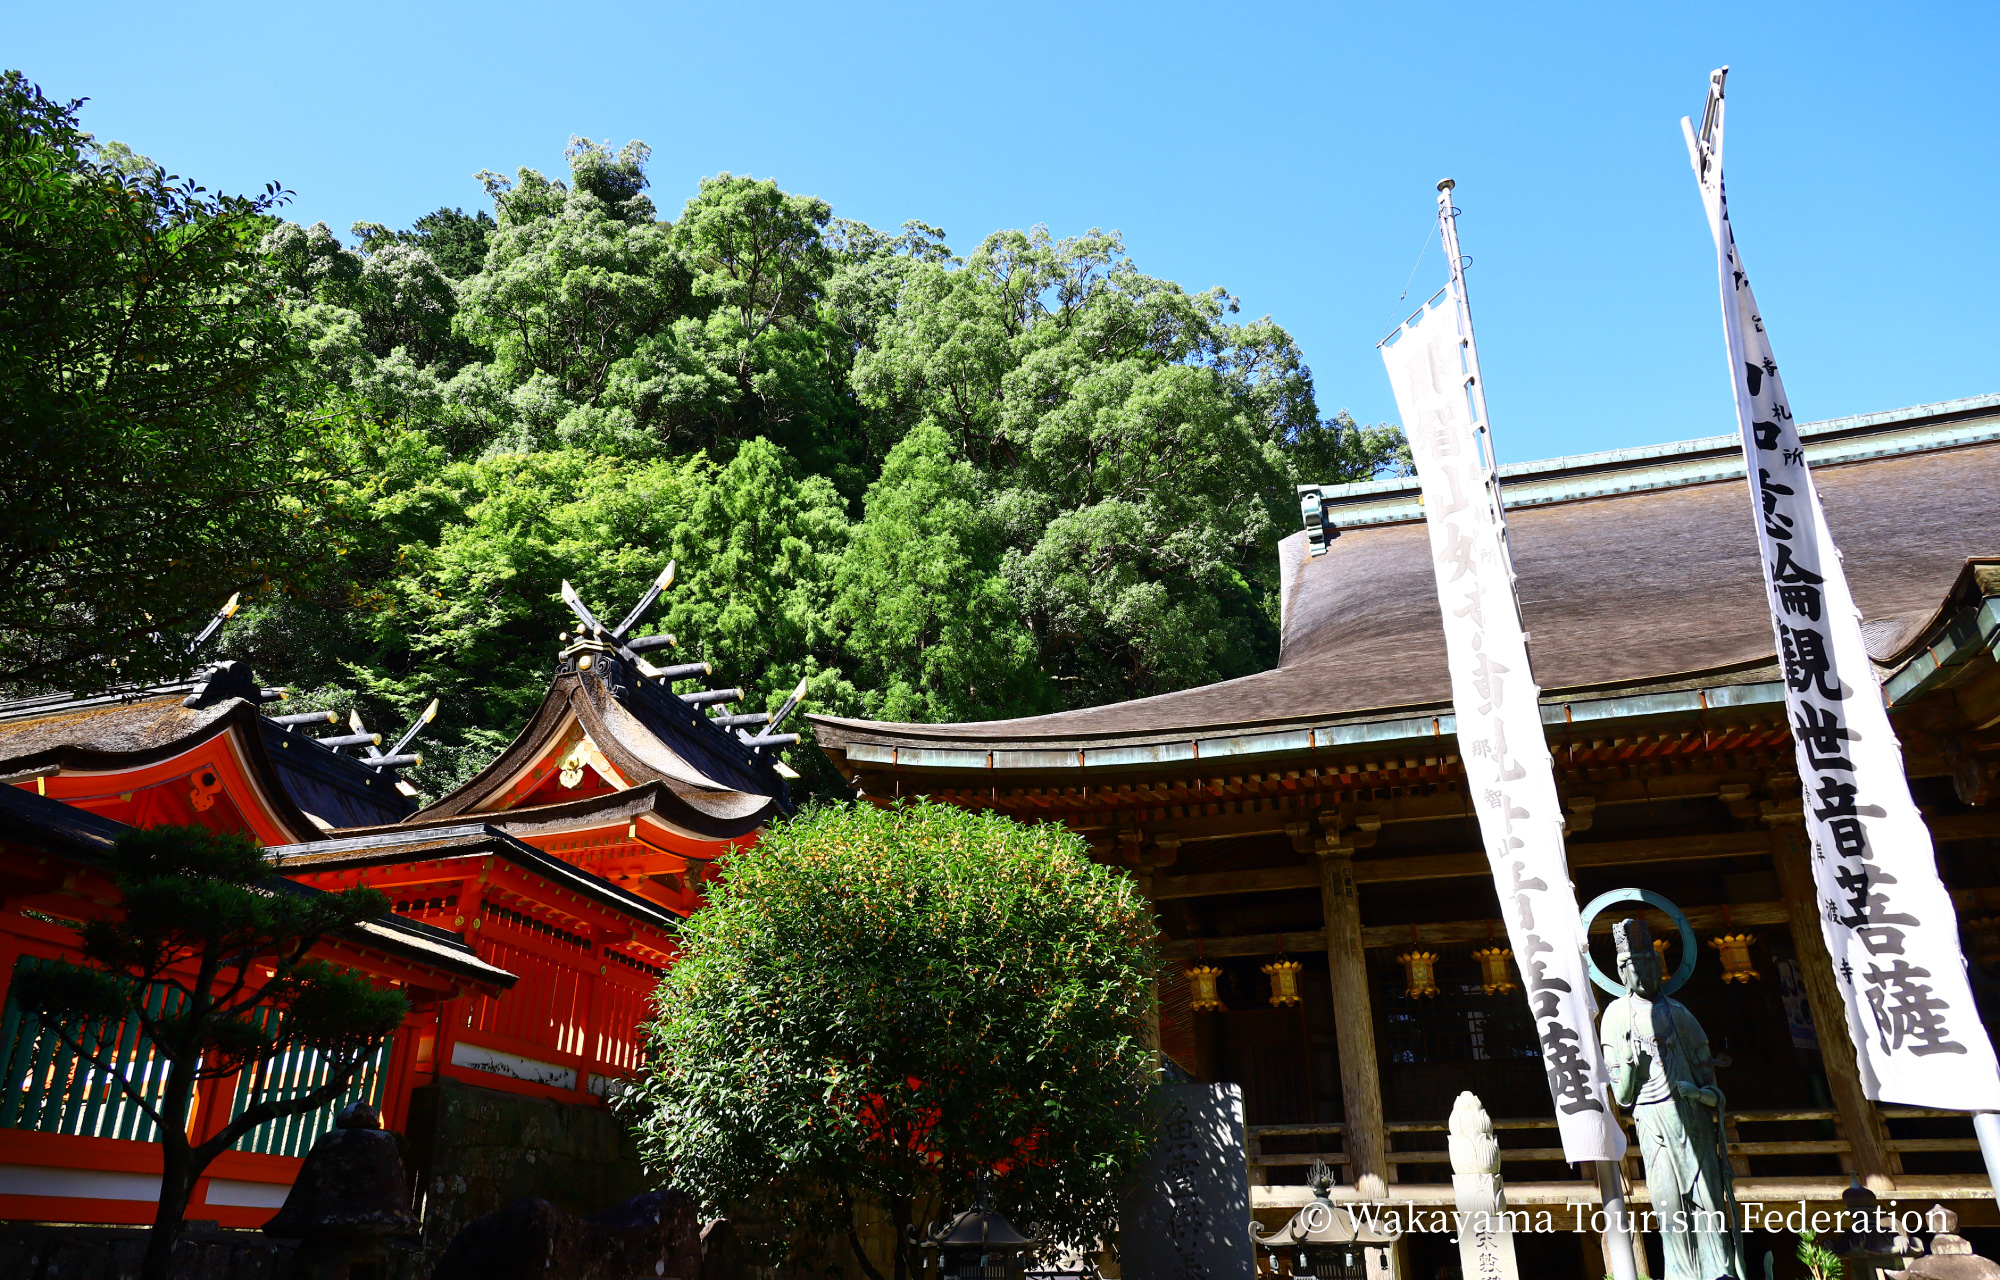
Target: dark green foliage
455, 240
150, 404
200, 913
878, 1004
933, 487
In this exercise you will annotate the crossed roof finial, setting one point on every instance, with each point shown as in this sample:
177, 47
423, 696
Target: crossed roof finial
593, 633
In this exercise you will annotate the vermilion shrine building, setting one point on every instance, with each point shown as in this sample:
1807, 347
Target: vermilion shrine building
535, 906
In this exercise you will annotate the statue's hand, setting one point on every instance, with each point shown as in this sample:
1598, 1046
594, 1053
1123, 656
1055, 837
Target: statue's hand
1695, 1093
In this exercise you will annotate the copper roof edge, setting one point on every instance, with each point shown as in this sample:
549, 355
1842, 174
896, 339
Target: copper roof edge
1924, 428
838, 733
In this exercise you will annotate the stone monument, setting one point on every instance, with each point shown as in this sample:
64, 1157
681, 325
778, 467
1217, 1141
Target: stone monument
1661, 1072
1485, 1236
1189, 1216
351, 1197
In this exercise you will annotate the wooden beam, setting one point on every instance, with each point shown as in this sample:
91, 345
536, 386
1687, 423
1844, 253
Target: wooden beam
1727, 916
1962, 826
1221, 882
1444, 866
1249, 944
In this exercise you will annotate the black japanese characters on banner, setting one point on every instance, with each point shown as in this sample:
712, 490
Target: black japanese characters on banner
1510, 776
1889, 924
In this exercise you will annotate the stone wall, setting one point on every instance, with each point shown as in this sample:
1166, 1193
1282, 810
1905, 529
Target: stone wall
474, 1151
43, 1251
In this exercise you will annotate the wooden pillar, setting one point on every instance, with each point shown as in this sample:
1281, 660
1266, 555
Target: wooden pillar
1860, 1123
1353, 1022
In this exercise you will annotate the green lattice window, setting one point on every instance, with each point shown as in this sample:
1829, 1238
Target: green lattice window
290, 1074
50, 1089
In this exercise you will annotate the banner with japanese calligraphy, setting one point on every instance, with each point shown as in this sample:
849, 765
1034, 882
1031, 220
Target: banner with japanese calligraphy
1509, 775
1888, 921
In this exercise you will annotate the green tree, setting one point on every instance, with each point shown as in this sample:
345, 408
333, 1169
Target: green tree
761, 546
202, 918
932, 487
151, 424
928, 619
880, 1004
1136, 446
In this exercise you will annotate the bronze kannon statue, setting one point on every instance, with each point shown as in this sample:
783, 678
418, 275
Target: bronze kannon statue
1661, 1072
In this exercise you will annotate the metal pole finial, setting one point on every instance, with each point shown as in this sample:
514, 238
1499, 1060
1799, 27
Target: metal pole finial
1446, 184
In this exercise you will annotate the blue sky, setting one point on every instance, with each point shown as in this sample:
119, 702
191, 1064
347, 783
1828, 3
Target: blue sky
1284, 151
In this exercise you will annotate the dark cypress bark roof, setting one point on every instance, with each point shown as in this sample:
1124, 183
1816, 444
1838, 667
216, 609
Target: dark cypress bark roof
134, 728
688, 770
1637, 569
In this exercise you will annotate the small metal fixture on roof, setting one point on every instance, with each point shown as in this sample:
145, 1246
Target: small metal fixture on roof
1319, 530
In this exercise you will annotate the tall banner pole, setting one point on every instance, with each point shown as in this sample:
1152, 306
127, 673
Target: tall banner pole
1510, 781
1889, 924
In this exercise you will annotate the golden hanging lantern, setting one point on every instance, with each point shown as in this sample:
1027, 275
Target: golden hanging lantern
1735, 952
1206, 998
1494, 975
1420, 968
1284, 975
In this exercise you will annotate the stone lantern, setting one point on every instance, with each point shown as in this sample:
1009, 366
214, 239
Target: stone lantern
1325, 1241
1950, 1256
352, 1195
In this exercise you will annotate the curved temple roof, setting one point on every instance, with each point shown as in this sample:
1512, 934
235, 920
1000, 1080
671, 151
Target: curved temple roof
698, 776
308, 787
1637, 571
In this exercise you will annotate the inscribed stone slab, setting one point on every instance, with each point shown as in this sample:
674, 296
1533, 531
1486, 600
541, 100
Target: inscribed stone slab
1189, 1218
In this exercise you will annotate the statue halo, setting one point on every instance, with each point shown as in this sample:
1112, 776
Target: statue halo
1651, 899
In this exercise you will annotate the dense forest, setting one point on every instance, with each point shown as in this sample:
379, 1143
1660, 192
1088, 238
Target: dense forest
934, 485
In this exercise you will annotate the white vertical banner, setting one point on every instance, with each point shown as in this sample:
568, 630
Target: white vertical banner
1509, 774
1888, 922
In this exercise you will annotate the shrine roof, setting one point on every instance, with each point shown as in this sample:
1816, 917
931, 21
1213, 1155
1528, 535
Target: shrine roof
133, 728
670, 758
49, 826
1638, 577
404, 845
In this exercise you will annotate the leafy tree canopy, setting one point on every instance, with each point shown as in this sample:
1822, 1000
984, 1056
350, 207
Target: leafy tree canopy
880, 1004
935, 487
152, 408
